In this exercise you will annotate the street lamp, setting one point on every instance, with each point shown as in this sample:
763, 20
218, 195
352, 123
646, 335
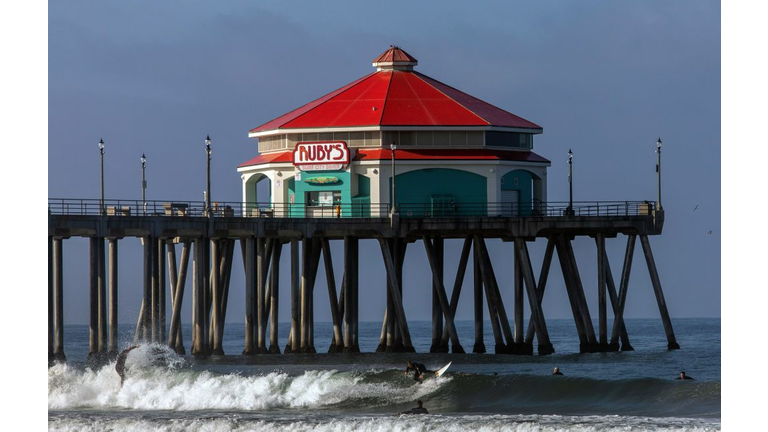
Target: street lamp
143, 183
101, 202
208, 182
658, 171
393, 146
570, 211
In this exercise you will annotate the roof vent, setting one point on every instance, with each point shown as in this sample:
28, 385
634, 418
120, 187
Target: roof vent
395, 59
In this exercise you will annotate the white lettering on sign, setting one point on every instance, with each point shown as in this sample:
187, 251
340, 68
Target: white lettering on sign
321, 156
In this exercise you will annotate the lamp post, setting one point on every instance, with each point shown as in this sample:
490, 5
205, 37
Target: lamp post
658, 171
101, 201
570, 211
143, 184
208, 181
393, 146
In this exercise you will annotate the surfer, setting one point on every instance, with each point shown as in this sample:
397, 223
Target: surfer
557, 371
418, 370
120, 363
418, 410
683, 376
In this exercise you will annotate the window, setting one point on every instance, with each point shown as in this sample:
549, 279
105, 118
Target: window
508, 139
323, 198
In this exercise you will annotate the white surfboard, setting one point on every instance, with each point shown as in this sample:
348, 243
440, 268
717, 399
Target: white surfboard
442, 370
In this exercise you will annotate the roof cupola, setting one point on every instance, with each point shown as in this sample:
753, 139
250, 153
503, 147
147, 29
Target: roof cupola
395, 59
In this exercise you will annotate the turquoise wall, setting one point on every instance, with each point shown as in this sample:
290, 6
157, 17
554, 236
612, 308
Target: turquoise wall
300, 188
361, 203
415, 191
521, 181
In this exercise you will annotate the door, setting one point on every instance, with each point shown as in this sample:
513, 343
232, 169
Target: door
510, 200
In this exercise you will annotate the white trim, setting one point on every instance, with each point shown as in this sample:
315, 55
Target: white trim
278, 131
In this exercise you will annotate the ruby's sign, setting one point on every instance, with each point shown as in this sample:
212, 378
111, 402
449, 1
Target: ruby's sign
321, 156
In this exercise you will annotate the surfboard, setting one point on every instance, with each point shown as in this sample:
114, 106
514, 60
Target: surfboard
442, 370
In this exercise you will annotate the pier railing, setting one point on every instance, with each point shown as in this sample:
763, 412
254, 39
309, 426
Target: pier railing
68, 206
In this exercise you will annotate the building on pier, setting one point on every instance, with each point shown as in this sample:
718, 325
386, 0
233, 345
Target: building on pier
458, 161
454, 152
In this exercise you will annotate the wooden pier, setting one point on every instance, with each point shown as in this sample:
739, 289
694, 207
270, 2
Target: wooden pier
208, 239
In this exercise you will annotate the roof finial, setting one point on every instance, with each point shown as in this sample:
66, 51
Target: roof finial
395, 59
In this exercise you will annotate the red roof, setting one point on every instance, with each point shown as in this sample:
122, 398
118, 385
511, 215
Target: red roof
414, 154
396, 98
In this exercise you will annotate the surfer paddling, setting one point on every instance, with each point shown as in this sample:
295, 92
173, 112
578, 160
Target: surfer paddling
556, 371
120, 363
418, 370
683, 376
418, 410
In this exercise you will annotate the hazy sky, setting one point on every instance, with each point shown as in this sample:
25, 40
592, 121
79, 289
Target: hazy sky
604, 78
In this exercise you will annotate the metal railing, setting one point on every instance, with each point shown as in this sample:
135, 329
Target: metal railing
121, 208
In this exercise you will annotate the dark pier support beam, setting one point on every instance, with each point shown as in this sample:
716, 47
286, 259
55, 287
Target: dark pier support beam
656, 282
437, 280
216, 291
618, 302
249, 257
565, 266
161, 291
400, 247
493, 314
456, 293
266, 283
479, 347
293, 337
534, 302
314, 266
580, 298
495, 295
435, 263
51, 334
58, 300
601, 295
93, 334
306, 260
337, 342
387, 337
113, 290
394, 290
175, 340
199, 310
155, 292
142, 324
351, 275
103, 311
274, 300
518, 345
543, 277
261, 279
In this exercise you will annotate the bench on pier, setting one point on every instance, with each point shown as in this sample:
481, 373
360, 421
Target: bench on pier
175, 209
118, 211
223, 211
261, 212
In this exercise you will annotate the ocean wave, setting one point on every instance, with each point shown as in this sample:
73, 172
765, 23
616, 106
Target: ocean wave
159, 380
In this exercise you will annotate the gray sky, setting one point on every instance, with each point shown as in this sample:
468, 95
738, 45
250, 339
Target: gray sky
603, 78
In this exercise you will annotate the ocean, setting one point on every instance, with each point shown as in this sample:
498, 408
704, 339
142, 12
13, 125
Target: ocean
618, 391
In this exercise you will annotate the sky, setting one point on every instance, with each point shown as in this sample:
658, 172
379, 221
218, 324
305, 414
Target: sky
603, 78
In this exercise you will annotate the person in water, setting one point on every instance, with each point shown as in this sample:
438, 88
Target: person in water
120, 363
418, 370
557, 371
683, 376
418, 410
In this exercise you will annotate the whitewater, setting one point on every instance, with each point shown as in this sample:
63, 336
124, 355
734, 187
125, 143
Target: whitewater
167, 392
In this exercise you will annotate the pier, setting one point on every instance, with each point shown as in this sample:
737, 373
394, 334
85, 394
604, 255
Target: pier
177, 235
